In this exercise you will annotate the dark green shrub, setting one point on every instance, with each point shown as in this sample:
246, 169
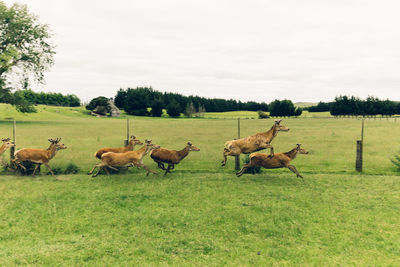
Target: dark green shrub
173, 109
156, 108
252, 170
262, 115
71, 168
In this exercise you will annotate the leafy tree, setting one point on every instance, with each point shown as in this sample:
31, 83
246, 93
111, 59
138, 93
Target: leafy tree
99, 105
173, 109
25, 50
298, 112
190, 110
136, 101
120, 98
157, 108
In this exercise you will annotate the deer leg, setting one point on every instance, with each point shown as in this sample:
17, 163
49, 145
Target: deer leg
112, 168
20, 165
293, 169
148, 170
223, 162
265, 146
233, 152
240, 173
91, 171
161, 165
100, 166
106, 170
167, 171
37, 167
51, 171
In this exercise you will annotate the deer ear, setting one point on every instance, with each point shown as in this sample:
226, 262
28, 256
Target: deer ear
148, 141
298, 145
189, 143
133, 137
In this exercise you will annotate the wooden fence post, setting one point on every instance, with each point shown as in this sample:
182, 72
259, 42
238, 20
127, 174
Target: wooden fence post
12, 149
237, 158
359, 156
126, 142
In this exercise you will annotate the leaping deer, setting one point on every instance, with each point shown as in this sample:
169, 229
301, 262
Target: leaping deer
253, 143
38, 156
127, 159
132, 143
171, 157
280, 160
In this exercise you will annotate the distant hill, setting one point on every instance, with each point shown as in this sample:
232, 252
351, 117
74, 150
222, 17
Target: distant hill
304, 104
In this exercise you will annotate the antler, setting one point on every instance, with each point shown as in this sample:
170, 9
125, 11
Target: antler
51, 140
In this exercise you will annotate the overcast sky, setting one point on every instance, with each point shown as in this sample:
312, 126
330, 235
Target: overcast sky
249, 50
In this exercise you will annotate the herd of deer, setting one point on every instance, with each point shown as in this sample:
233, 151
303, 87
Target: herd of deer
124, 157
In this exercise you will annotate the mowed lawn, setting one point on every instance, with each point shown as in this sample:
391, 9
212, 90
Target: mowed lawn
202, 214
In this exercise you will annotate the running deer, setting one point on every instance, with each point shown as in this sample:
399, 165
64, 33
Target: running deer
6, 144
280, 160
126, 159
38, 156
132, 143
171, 157
253, 143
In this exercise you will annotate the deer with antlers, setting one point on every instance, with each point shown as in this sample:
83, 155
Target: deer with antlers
280, 160
132, 143
126, 159
171, 157
6, 144
253, 143
38, 156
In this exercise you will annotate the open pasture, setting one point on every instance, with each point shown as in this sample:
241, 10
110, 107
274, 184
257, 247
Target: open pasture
202, 213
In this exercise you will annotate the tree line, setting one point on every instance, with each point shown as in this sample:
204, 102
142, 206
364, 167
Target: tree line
27, 98
137, 101
145, 101
355, 106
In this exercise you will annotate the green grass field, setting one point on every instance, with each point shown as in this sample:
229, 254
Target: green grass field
201, 214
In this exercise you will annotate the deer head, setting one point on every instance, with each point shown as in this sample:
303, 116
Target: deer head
301, 150
60, 146
56, 143
135, 141
7, 143
192, 147
150, 146
280, 127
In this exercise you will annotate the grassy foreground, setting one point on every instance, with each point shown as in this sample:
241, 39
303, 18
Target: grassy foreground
200, 219
201, 214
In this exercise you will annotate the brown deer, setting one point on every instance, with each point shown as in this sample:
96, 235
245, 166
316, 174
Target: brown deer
132, 143
253, 143
126, 159
6, 144
280, 160
171, 157
38, 156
